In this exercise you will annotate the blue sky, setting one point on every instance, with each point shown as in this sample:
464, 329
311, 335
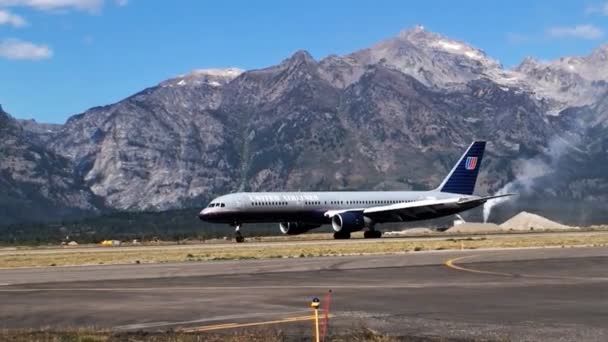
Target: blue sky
61, 57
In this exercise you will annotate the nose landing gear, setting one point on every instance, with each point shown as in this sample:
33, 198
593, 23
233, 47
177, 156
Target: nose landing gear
238, 237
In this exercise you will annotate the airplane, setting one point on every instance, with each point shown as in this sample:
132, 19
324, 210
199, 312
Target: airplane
351, 211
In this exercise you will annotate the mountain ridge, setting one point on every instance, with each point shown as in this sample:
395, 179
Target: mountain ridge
391, 116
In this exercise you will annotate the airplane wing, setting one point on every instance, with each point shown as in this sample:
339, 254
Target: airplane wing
410, 211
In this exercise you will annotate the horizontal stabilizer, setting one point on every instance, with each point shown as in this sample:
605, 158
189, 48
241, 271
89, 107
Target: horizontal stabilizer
482, 200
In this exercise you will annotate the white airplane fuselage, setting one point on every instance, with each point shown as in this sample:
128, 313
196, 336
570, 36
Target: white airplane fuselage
310, 207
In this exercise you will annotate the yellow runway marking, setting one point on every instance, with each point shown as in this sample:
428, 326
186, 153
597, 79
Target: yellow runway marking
251, 324
451, 264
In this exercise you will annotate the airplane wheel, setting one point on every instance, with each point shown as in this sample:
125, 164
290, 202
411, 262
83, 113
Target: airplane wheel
341, 236
239, 238
372, 234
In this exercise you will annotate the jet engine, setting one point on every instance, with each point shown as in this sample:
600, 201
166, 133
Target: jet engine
295, 228
348, 222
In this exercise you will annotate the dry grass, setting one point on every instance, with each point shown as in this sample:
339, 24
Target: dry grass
254, 335
232, 251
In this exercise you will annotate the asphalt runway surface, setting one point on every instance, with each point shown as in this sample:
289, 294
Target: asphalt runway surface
557, 294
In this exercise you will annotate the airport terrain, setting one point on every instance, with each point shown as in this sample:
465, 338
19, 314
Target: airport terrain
533, 294
310, 245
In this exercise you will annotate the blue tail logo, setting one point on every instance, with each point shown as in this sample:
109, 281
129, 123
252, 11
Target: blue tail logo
463, 176
471, 163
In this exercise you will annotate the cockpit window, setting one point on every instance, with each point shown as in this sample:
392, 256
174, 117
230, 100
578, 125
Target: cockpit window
211, 205
222, 205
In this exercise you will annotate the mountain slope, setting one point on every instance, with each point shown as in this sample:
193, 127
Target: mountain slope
291, 127
36, 184
164, 146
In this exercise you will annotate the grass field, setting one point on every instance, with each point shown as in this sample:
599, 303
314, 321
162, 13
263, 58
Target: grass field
287, 249
254, 335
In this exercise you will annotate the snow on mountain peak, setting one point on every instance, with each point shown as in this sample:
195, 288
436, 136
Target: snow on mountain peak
458, 48
211, 77
228, 73
429, 57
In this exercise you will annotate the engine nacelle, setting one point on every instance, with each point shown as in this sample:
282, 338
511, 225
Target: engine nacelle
348, 222
295, 228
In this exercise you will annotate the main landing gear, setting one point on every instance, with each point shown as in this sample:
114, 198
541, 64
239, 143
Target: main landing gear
341, 235
372, 234
368, 234
238, 237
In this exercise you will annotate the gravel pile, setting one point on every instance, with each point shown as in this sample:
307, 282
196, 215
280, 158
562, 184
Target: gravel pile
528, 221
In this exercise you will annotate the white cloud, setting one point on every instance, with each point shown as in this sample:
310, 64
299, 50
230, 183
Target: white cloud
598, 9
579, 31
12, 19
49, 5
18, 49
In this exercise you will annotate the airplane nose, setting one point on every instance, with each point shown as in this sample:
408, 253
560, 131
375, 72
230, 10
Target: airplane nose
204, 214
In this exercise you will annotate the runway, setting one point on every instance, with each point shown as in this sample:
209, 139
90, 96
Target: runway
557, 294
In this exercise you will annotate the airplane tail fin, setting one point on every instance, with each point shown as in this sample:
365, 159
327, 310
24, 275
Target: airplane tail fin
462, 178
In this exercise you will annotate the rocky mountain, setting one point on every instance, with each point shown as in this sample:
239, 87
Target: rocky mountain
37, 132
432, 59
36, 183
569, 81
162, 148
392, 116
